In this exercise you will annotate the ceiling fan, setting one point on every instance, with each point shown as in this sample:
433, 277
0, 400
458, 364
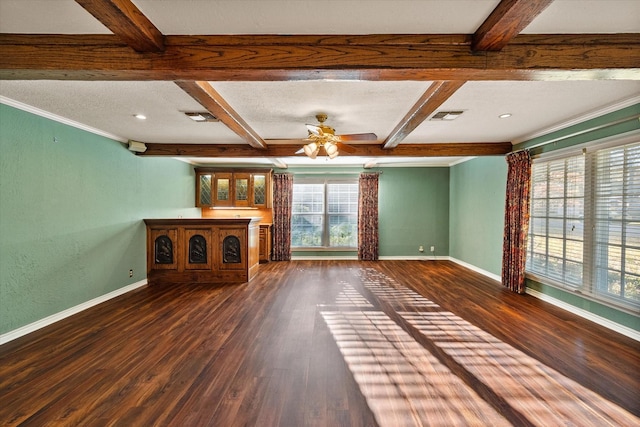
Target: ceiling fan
324, 136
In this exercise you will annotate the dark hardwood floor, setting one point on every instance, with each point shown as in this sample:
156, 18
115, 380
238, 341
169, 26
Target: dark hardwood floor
324, 343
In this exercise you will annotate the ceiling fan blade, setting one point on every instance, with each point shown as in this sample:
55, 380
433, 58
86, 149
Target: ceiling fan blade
314, 129
359, 137
346, 148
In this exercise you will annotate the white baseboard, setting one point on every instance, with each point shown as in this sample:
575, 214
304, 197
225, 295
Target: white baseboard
31, 327
624, 330
476, 269
414, 258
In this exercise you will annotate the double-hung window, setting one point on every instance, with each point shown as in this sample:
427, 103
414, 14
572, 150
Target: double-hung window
325, 214
584, 230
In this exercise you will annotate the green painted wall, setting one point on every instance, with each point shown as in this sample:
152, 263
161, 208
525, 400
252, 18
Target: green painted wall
70, 214
476, 221
414, 211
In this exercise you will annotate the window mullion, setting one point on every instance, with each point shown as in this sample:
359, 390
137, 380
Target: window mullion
546, 231
325, 216
564, 220
589, 248
623, 228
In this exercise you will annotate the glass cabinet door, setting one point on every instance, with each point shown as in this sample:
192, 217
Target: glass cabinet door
203, 190
241, 189
259, 190
223, 190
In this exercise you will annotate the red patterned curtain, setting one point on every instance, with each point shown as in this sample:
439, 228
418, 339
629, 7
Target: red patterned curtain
368, 217
282, 198
516, 220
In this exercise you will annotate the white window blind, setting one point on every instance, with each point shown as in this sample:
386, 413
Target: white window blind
325, 214
556, 229
584, 230
617, 223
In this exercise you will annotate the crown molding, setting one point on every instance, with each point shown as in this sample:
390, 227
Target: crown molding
42, 113
619, 105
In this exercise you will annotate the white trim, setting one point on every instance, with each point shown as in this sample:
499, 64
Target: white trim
462, 160
476, 269
579, 119
414, 258
42, 113
591, 146
38, 324
624, 330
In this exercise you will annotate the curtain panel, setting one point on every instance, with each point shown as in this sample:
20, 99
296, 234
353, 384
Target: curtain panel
368, 217
282, 202
516, 220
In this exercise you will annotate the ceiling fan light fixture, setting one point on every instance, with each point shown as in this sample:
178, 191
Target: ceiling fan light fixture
331, 149
311, 150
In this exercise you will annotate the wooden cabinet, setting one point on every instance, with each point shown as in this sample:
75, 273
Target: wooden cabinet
265, 243
202, 250
244, 188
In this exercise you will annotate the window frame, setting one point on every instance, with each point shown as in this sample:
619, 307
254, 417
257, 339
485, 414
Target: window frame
589, 289
326, 215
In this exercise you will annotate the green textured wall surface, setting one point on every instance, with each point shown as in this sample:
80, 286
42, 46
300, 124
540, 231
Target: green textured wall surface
476, 221
414, 210
71, 209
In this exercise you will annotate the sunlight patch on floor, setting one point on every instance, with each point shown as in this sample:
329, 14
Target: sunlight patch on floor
406, 385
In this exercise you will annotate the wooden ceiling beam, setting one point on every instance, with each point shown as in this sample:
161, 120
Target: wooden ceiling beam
214, 103
269, 58
286, 150
506, 21
127, 22
429, 102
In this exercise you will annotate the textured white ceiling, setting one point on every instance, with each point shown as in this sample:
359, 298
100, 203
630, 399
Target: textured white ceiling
280, 109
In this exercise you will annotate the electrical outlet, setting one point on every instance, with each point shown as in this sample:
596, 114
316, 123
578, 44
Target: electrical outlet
433, 248
421, 248
130, 273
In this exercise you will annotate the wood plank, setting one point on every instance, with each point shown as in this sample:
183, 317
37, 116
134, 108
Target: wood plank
505, 22
262, 58
257, 352
127, 22
284, 150
429, 102
214, 103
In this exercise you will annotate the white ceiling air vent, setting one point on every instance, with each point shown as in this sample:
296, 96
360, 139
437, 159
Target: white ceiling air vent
446, 115
202, 116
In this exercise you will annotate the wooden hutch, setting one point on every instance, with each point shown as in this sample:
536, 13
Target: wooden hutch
228, 193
